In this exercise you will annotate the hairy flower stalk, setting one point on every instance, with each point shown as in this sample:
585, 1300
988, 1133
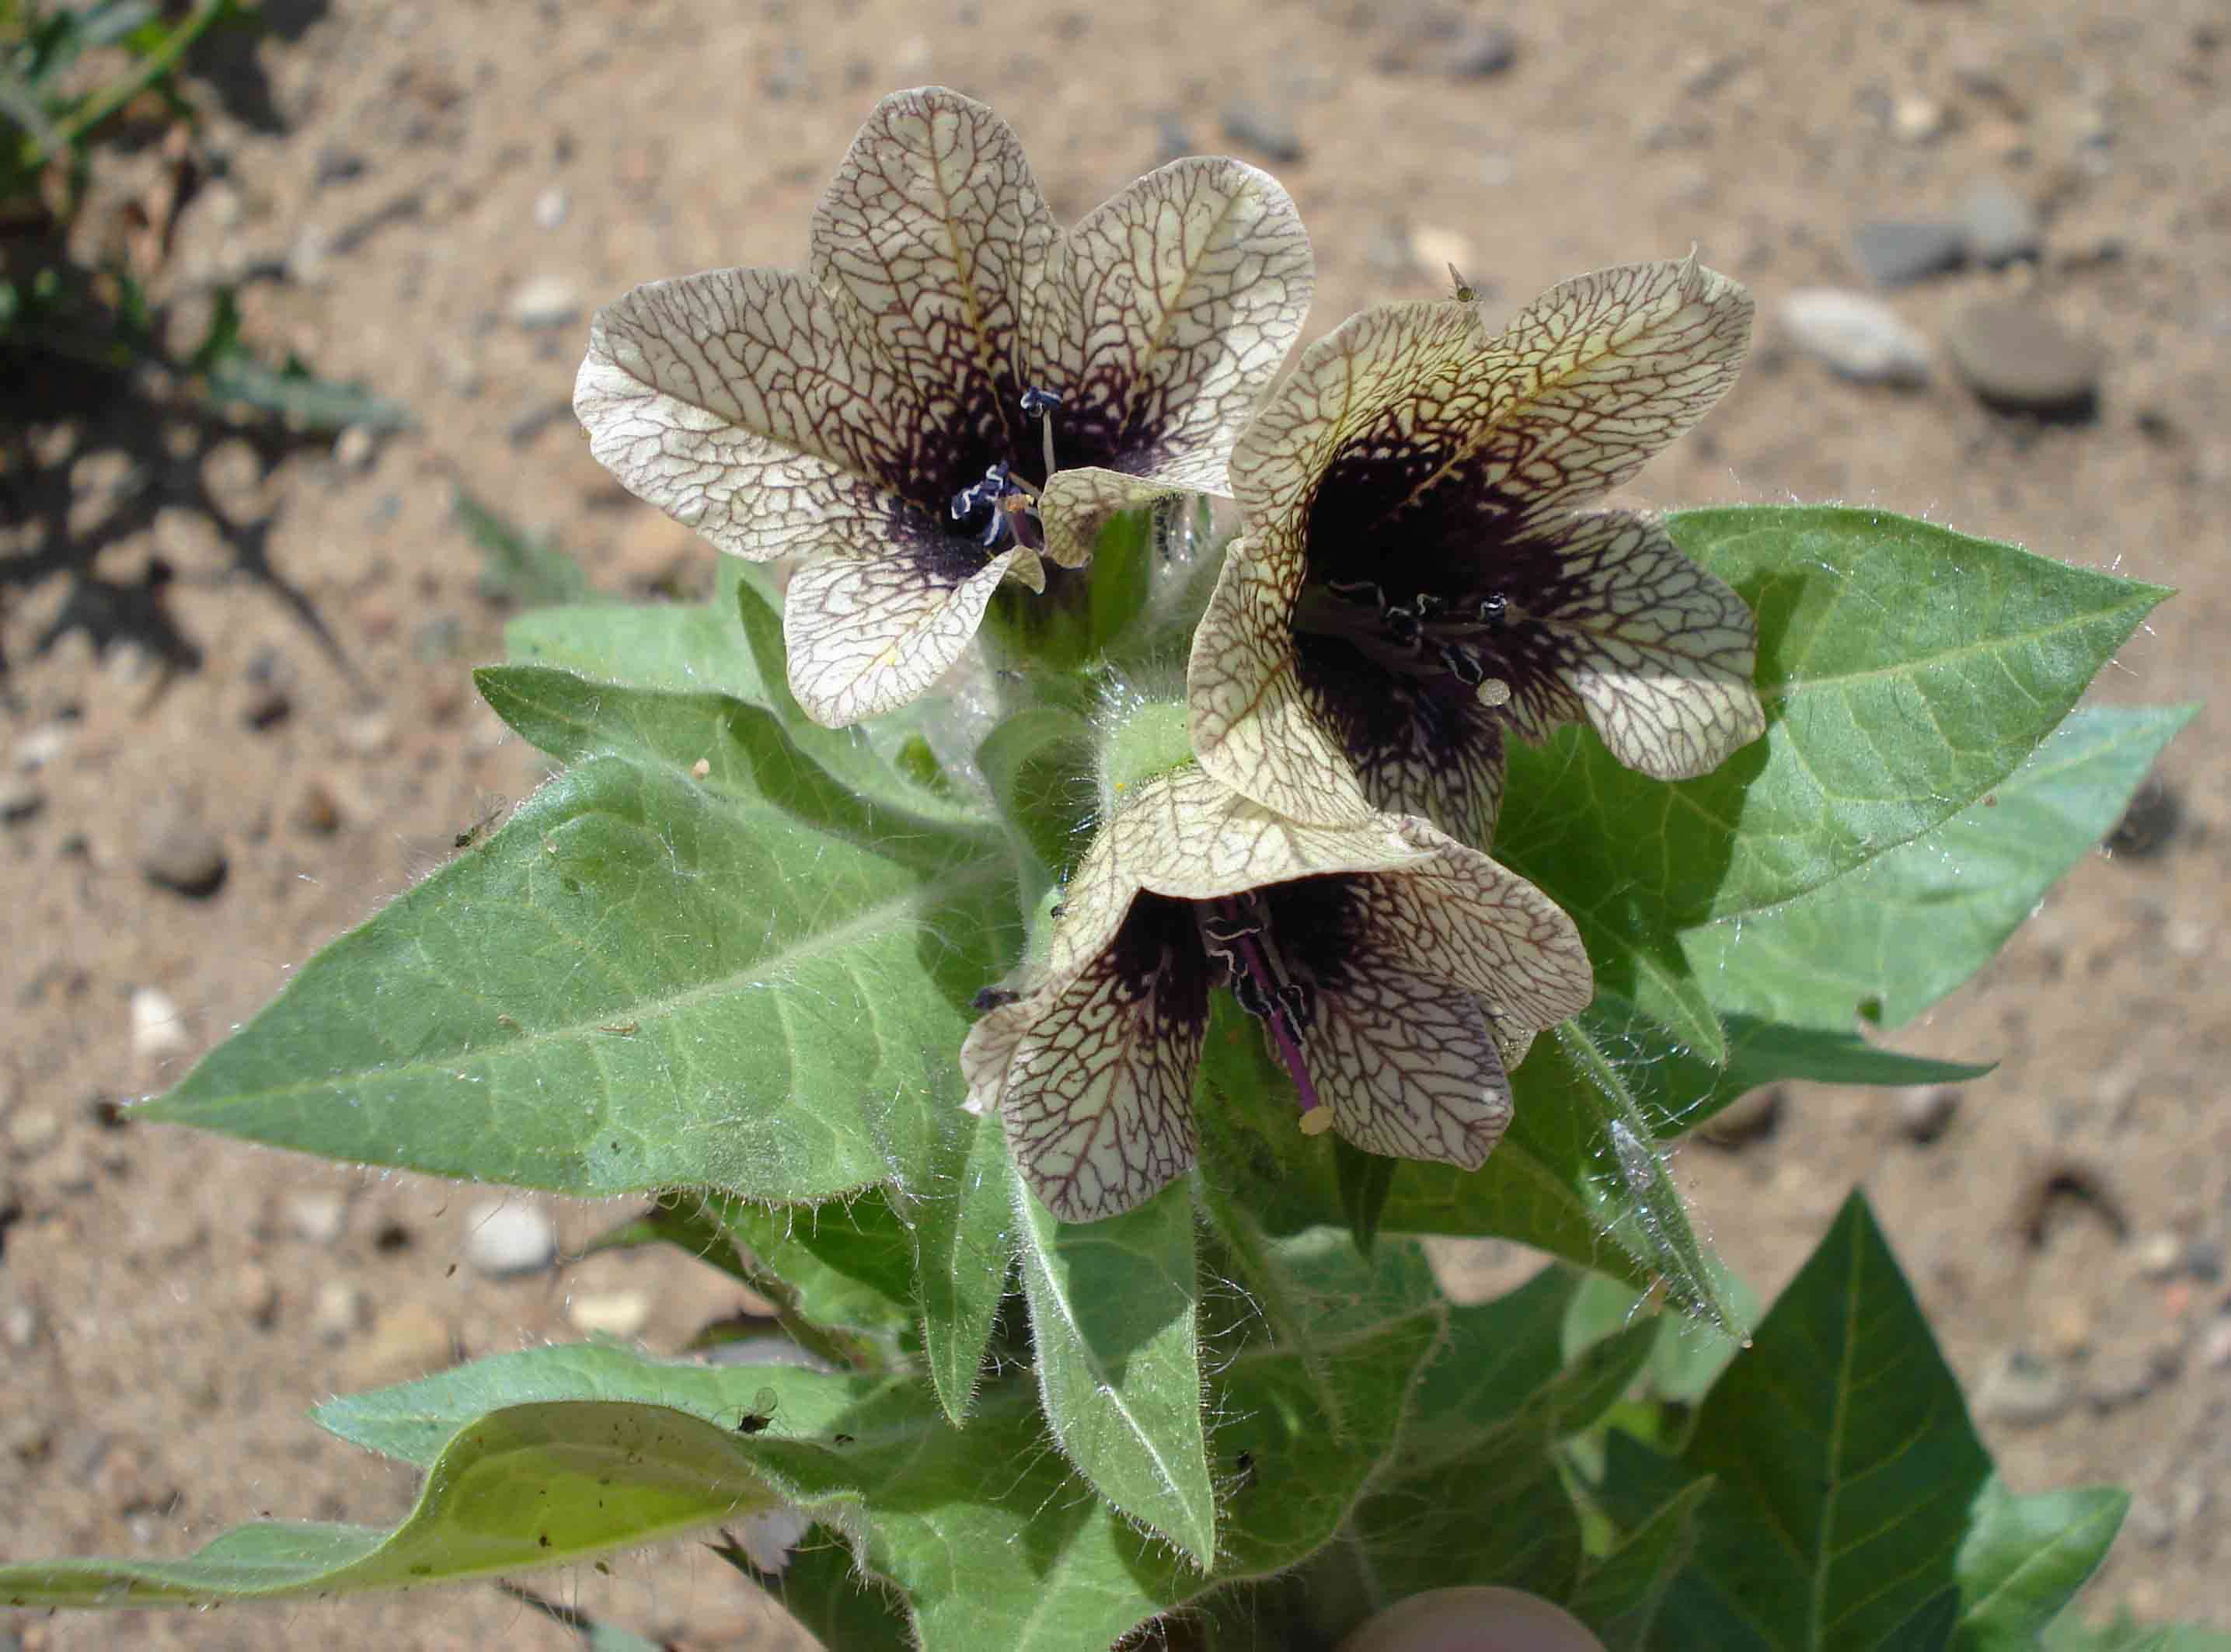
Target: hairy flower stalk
953, 392
1413, 583
1388, 965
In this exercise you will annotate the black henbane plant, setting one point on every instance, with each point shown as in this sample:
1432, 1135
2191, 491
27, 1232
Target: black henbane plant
1061, 899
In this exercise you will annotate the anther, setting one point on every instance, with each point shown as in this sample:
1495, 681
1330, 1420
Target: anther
1402, 626
1037, 401
1424, 604
1297, 1009
993, 998
1493, 609
1462, 664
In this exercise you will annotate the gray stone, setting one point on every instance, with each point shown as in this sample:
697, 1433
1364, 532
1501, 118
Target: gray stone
1484, 50
319, 1215
1859, 337
506, 1238
1896, 251
2019, 359
1925, 1111
1264, 130
2022, 1388
185, 858
544, 302
19, 800
2001, 226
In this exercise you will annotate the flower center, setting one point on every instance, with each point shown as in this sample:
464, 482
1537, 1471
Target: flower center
1003, 506
1430, 636
1235, 932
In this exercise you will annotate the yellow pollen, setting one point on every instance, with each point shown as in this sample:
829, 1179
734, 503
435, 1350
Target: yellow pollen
1316, 1121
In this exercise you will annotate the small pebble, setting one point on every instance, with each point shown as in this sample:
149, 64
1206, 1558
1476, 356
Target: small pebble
266, 706
368, 734
2149, 822
544, 302
406, 1342
2160, 1255
2019, 359
41, 747
157, 1031
356, 448
316, 811
1925, 1111
319, 1215
1173, 137
338, 166
339, 1310
1266, 131
255, 1294
2069, 1330
509, 1238
1896, 252
31, 1131
19, 800
2022, 1388
1750, 1116
1918, 119
1857, 336
2215, 1346
550, 208
2203, 1259
2000, 225
1484, 50
186, 859
20, 1325
610, 1314
2125, 1378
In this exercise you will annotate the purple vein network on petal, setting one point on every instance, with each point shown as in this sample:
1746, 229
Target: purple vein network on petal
1393, 970
954, 390
1414, 584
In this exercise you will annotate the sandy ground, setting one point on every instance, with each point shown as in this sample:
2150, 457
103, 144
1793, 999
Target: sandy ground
172, 1304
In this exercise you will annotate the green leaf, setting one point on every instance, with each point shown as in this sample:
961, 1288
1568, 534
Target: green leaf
1112, 1320
1689, 1353
529, 1486
1040, 762
750, 980
1123, 569
842, 1267
1896, 935
1620, 1595
1887, 714
873, 759
529, 570
294, 393
2024, 1558
823, 1591
1365, 1180
1850, 1527
685, 647
1474, 1494
960, 1207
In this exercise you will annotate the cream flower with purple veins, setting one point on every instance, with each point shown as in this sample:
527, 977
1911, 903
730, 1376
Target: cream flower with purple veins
1384, 960
892, 415
1415, 582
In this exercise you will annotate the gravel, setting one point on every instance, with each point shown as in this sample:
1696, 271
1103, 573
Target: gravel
2018, 359
1858, 337
506, 1239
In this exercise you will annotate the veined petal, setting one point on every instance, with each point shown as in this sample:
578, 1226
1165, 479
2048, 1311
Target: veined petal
1076, 505
934, 229
988, 1050
1409, 1067
746, 405
1252, 722
1660, 652
1462, 919
1402, 412
868, 633
1097, 1099
1188, 835
1178, 301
